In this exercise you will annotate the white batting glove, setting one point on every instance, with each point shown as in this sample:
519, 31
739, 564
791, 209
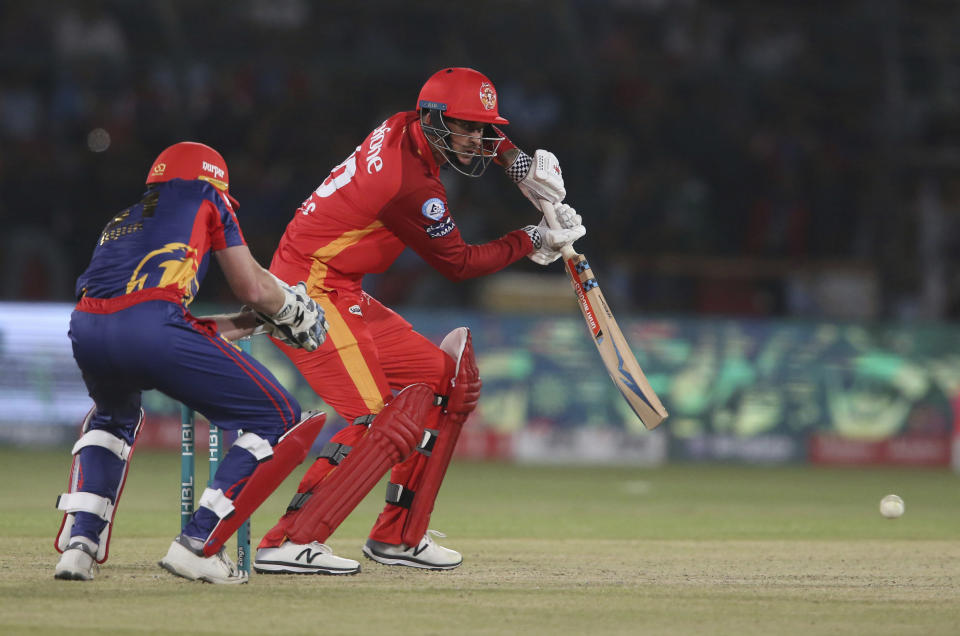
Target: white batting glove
567, 217
539, 178
547, 242
299, 322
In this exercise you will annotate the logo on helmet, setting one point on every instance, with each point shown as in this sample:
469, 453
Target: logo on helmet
488, 97
215, 169
159, 169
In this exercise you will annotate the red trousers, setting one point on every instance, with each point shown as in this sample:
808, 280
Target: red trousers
370, 351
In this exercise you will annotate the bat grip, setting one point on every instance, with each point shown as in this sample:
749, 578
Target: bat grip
550, 215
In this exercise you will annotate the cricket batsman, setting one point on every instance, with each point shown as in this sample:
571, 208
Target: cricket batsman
404, 397
132, 330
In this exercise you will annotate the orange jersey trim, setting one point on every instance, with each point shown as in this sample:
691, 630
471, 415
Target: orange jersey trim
322, 257
351, 356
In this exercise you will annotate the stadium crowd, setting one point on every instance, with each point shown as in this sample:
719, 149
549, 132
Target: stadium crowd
727, 157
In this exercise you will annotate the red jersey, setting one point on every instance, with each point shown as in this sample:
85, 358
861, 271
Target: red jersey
385, 196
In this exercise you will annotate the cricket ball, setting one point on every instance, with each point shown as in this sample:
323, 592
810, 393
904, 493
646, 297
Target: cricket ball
891, 506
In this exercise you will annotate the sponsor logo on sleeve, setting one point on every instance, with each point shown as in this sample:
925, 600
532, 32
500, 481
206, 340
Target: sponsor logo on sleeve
434, 209
355, 310
441, 228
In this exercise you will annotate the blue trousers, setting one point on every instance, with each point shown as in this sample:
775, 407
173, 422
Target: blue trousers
159, 345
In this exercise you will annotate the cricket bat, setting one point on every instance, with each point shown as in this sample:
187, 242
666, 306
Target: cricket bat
616, 354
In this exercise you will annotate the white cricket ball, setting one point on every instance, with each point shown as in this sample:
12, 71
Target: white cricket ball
891, 506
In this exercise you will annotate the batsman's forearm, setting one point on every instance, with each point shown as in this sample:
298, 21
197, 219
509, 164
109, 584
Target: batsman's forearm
508, 156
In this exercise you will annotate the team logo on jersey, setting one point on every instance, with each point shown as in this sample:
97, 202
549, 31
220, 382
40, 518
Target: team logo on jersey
174, 264
434, 209
355, 310
442, 228
488, 96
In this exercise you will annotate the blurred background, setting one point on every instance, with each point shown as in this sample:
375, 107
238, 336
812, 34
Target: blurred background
770, 190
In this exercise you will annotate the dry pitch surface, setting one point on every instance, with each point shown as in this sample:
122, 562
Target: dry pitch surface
679, 550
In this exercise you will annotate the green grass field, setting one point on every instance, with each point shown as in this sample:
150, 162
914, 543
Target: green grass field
687, 549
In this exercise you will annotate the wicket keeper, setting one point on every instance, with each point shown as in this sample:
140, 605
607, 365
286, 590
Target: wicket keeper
132, 330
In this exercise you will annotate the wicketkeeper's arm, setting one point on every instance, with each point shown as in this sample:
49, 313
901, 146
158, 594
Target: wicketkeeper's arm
250, 283
286, 312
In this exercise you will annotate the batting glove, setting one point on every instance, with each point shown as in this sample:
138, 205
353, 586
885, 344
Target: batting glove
539, 178
547, 242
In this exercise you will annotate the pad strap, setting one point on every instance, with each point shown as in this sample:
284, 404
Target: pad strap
298, 500
86, 502
255, 445
217, 502
103, 439
334, 452
429, 439
365, 420
399, 496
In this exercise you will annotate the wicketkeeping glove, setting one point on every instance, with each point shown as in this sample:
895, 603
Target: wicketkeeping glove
300, 322
539, 178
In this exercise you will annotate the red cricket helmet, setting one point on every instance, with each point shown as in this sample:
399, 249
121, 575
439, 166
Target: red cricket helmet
461, 93
192, 160
465, 94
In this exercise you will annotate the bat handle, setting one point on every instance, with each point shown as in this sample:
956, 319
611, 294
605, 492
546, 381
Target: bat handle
550, 215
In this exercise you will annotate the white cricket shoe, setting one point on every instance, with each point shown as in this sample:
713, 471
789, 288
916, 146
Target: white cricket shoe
183, 560
302, 558
428, 555
77, 561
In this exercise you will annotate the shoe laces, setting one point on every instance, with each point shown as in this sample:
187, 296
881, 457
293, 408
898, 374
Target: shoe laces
428, 537
229, 565
321, 547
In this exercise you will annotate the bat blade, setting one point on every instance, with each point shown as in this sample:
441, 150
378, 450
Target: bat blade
614, 350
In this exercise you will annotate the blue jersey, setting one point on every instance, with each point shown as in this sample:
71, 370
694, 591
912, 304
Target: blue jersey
159, 248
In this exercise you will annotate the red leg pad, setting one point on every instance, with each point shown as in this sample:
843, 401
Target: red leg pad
461, 400
393, 518
421, 508
289, 452
317, 472
465, 387
394, 434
